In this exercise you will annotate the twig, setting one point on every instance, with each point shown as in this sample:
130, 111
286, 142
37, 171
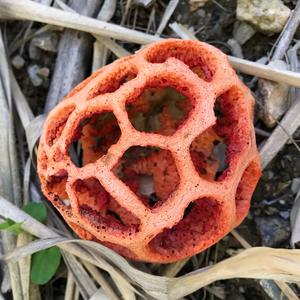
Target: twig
32, 11
288, 33
29, 10
70, 287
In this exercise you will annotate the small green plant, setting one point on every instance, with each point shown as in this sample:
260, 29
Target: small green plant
44, 263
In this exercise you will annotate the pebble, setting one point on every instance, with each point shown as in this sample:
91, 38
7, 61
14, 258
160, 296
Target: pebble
295, 185
36, 79
267, 16
18, 62
274, 96
47, 41
273, 230
242, 32
195, 4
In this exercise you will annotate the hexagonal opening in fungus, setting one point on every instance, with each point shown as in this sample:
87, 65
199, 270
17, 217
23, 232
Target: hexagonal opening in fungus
101, 209
197, 59
93, 138
150, 172
200, 225
214, 150
159, 110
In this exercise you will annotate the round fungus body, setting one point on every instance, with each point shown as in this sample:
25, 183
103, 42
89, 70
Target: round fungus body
153, 155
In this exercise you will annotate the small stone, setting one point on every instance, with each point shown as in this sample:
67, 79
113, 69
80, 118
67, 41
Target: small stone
18, 62
236, 48
267, 16
281, 186
34, 77
270, 210
144, 3
273, 230
295, 187
47, 41
43, 72
195, 4
34, 52
285, 215
274, 96
242, 32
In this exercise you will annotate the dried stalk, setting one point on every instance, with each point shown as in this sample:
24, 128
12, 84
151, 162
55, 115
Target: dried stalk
70, 287
287, 33
29, 10
74, 54
101, 281
262, 262
9, 172
282, 285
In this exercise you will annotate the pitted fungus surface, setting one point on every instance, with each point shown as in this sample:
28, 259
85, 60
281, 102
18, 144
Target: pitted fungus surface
153, 155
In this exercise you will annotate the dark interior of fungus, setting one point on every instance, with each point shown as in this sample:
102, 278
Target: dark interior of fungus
93, 138
215, 149
200, 221
150, 172
159, 110
101, 209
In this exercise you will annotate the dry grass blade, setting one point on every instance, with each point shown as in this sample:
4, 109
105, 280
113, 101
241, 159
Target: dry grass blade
245, 66
107, 10
173, 269
295, 221
24, 264
29, 10
261, 262
100, 55
33, 131
113, 46
100, 294
32, 11
9, 172
84, 283
40, 230
167, 15
70, 287
101, 281
108, 43
282, 285
276, 264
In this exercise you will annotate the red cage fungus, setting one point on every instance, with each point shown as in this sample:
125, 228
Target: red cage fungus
153, 155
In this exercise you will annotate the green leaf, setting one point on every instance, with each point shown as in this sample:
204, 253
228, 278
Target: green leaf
44, 265
11, 226
36, 210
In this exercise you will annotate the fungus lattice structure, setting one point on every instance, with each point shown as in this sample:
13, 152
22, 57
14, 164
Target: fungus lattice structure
153, 155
